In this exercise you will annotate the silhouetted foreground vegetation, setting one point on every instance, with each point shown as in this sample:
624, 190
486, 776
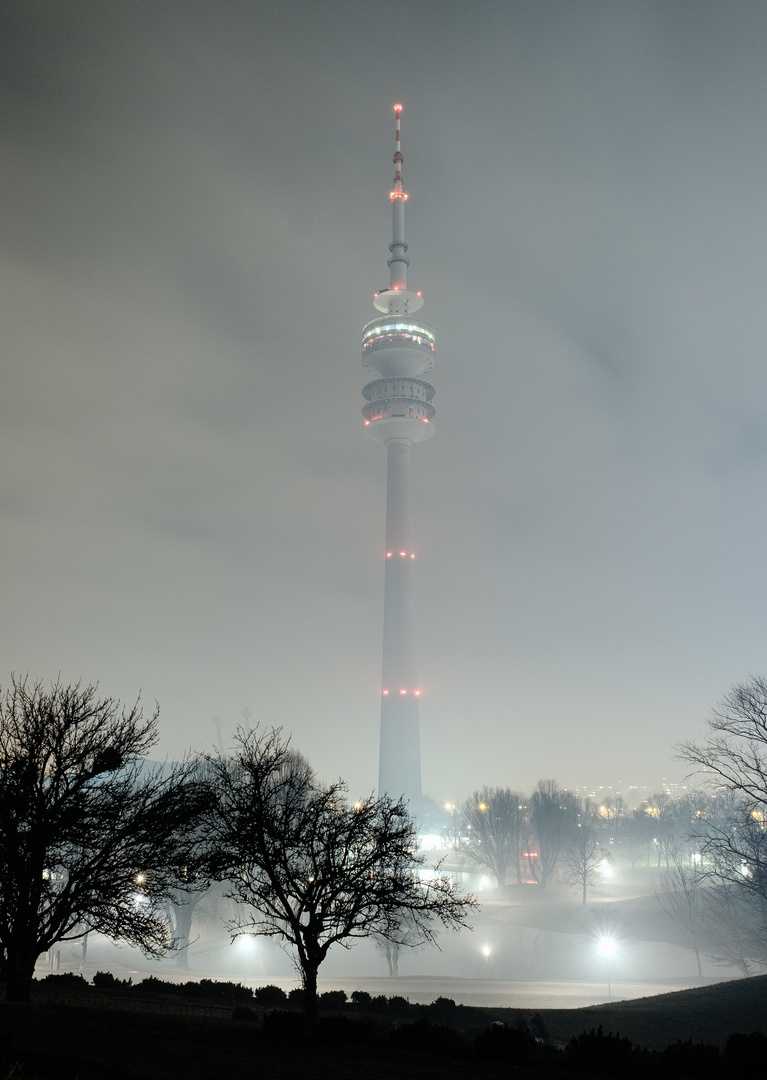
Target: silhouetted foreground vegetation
118, 1029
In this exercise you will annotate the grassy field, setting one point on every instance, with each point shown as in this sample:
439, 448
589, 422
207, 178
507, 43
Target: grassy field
63, 1037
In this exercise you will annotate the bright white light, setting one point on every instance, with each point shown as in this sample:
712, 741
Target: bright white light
484, 883
607, 946
606, 868
486, 951
246, 942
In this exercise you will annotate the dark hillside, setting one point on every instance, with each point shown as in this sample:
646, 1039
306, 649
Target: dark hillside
708, 1014
148, 1039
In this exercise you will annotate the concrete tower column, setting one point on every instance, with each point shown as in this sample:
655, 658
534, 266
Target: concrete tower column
399, 762
398, 349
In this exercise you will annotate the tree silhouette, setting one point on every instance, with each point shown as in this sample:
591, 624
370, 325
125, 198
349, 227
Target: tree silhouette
495, 819
554, 819
310, 868
91, 838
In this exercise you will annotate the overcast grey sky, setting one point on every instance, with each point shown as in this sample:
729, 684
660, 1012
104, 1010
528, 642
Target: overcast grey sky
195, 216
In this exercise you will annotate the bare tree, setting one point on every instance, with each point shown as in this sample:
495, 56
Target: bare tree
409, 937
495, 819
91, 838
585, 855
554, 819
735, 928
614, 811
683, 899
180, 910
734, 758
313, 870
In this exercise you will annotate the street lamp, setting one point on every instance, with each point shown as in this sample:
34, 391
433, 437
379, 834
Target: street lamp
607, 948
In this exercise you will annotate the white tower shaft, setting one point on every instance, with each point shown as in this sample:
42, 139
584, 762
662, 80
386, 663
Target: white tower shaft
397, 349
399, 762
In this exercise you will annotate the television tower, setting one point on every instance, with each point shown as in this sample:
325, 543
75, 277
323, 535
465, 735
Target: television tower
397, 349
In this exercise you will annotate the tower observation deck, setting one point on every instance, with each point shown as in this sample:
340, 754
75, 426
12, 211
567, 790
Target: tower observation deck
398, 350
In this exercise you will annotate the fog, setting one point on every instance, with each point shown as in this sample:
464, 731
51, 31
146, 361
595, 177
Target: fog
195, 217
524, 950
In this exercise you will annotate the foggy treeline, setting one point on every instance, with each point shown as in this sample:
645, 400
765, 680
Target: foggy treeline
94, 838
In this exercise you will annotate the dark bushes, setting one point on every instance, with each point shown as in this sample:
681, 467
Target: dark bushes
689, 1059
67, 980
600, 1052
503, 1043
746, 1054
333, 999
105, 980
270, 996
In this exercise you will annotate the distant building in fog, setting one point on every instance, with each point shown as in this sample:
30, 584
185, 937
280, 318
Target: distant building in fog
397, 349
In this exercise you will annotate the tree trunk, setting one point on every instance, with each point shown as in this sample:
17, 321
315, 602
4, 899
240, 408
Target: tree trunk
83, 952
18, 978
311, 1004
183, 914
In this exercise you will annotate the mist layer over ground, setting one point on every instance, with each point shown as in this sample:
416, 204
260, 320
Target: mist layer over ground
533, 950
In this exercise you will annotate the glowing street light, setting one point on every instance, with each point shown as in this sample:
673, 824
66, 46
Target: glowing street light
607, 947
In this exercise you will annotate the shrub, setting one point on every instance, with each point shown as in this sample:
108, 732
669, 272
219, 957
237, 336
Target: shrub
600, 1052
690, 1059
66, 980
362, 999
229, 992
397, 1004
105, 980
296, 997
270, 996
333, 999
746, 1053
153, 985
443, 1009
503, 1043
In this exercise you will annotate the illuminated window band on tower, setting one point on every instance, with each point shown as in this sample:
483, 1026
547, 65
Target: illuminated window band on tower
397, 350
